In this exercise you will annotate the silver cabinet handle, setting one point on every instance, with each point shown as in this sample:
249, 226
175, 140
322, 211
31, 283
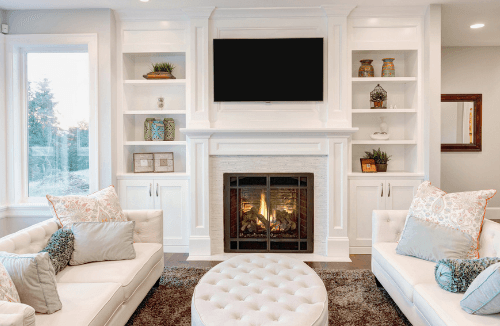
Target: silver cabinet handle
382, 192
389, 191
150, 186
156, 190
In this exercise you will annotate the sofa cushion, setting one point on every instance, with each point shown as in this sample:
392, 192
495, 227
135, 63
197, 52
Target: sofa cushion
441, 307
12, 313
405, 271
84, 304
129, 273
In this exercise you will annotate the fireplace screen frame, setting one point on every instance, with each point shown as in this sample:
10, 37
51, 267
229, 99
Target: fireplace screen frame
228, 240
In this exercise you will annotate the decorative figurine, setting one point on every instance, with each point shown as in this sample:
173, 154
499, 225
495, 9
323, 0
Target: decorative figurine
378, 98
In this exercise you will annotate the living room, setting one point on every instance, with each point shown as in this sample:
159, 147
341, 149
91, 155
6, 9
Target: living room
212, 162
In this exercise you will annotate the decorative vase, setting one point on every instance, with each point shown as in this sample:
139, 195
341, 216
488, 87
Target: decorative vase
148, 127
159, 75
388, 68
158, 130
381, 167
169, 126
366, 68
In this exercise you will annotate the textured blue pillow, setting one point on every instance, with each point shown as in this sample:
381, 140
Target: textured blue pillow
431, 241
60, 248
483, 295
456, 275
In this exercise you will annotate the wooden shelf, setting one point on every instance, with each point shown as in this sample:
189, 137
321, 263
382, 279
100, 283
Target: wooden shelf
384, 111
384, 142
153, 112
387, 174
383, 79
155, 143
148, 82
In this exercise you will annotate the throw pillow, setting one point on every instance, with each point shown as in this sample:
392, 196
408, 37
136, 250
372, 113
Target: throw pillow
430, 241
35, 280
462, 211
102, 241
101, 206
456, 275
60, 248
483, 295
8, 290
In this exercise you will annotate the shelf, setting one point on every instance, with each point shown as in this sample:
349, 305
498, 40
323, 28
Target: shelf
147, 82
155, 143
385, 111
383, 79
154, 48
169, 175
384, 142
150, 112
387, 174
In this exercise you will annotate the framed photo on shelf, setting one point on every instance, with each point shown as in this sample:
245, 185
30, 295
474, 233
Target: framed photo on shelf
164, 162
143, 162
368, 165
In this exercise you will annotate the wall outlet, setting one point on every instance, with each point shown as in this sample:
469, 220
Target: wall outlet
5, 28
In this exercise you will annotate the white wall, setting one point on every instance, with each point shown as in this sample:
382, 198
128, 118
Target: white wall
474, 70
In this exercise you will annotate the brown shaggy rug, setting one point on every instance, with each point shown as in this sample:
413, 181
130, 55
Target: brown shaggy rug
353, 298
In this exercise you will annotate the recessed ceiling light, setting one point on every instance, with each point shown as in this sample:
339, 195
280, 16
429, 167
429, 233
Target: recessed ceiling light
471, 26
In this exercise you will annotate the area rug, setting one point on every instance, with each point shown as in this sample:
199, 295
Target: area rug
353, 298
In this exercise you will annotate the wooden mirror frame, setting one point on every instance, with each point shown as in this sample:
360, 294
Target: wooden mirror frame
476, 123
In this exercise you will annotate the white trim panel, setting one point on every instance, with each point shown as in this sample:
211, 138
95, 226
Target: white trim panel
283, 146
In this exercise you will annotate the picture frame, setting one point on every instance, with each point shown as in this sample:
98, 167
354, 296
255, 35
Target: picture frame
368, 165
164, 162
144, 163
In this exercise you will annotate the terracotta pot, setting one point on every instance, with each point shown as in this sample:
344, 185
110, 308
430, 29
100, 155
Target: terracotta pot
159, 75
381, 167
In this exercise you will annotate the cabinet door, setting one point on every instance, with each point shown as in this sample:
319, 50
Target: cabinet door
171, 197
365, 196
136, 194
400, 193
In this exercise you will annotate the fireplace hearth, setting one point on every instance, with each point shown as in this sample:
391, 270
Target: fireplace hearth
268, 212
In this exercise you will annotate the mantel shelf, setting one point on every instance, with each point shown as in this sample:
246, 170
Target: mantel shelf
153, 112
384, 111
283, 131
384, 142
148, 82
155, 143
383, 79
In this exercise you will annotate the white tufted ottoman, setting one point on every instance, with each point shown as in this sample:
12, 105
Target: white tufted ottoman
260, 289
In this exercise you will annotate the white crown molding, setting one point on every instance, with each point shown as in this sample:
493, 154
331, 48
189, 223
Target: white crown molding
199, 12
148, 14
294, 12
338, 10
389, 11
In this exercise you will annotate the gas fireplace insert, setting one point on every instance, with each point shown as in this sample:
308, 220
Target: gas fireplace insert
268, 212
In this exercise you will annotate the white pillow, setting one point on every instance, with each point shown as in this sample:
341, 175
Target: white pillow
8, 290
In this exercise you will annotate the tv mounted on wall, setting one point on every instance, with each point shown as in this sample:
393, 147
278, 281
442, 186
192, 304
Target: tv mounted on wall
265, 70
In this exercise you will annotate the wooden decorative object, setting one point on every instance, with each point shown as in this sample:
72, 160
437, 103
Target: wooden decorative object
143, 162
164, 162
368, 165
476, 145
158, 75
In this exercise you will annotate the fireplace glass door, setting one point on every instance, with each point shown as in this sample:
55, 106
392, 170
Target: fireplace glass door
268, 212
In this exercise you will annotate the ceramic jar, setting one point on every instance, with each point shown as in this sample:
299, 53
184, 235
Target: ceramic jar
366, 68
388, 68
158, 131
148, 127
169, 125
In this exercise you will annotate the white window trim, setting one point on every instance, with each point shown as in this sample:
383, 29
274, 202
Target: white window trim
17, 147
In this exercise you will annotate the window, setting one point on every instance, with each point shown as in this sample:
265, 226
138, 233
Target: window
58, 112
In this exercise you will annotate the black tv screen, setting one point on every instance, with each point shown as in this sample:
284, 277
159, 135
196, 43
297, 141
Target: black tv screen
251, 70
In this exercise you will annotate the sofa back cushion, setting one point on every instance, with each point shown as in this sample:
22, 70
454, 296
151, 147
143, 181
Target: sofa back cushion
29, 240
489, 242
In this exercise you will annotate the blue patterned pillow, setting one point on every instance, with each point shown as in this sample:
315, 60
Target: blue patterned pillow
456, 275
60, 248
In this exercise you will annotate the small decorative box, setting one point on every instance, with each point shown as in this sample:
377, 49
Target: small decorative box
164, 162
169, 124
158, 130
143, 162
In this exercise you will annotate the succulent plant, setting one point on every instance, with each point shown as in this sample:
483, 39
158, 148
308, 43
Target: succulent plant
379, 156
162, 67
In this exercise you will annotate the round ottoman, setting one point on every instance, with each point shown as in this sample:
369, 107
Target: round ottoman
260, 289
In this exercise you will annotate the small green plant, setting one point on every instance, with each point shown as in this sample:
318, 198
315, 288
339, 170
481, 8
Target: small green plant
379, 156
162, 67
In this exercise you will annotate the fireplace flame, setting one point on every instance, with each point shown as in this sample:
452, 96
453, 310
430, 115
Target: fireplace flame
263, 204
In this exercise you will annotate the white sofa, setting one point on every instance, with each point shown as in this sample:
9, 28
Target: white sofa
101, 293
410, 281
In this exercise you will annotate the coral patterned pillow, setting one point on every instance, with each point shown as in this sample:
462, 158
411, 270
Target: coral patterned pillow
463, 211
8, 290
101, 206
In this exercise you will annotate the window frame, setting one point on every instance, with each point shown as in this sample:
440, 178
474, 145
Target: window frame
17, 103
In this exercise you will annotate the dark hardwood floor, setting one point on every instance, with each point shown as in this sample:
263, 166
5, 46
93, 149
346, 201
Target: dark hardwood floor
358, 262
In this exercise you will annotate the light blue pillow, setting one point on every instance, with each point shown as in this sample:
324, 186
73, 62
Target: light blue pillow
431, 241
483, 295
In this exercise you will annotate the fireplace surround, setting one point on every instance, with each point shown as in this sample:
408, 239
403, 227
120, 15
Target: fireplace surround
268, 212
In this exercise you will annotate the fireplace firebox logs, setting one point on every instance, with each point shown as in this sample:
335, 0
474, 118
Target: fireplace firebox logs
284, 221
250, 220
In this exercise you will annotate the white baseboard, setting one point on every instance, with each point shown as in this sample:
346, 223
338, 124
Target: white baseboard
360, 250
492, 213
338, 248
303, 257
199, 246
175, 249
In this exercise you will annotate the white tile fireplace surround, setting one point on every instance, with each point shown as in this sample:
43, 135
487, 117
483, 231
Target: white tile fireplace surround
323, 152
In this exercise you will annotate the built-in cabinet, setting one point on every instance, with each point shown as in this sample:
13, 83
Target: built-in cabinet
167, 195
365, 196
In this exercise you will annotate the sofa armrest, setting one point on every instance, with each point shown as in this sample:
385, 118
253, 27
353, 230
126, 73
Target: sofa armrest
148, 225
387, 225
15, 314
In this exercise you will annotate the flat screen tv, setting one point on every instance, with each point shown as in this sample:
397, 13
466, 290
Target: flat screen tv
254, 70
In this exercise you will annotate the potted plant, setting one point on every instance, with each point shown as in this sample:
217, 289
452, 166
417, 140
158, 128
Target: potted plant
381, 158
162, 70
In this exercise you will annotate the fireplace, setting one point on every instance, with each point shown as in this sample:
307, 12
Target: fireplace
268, 212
